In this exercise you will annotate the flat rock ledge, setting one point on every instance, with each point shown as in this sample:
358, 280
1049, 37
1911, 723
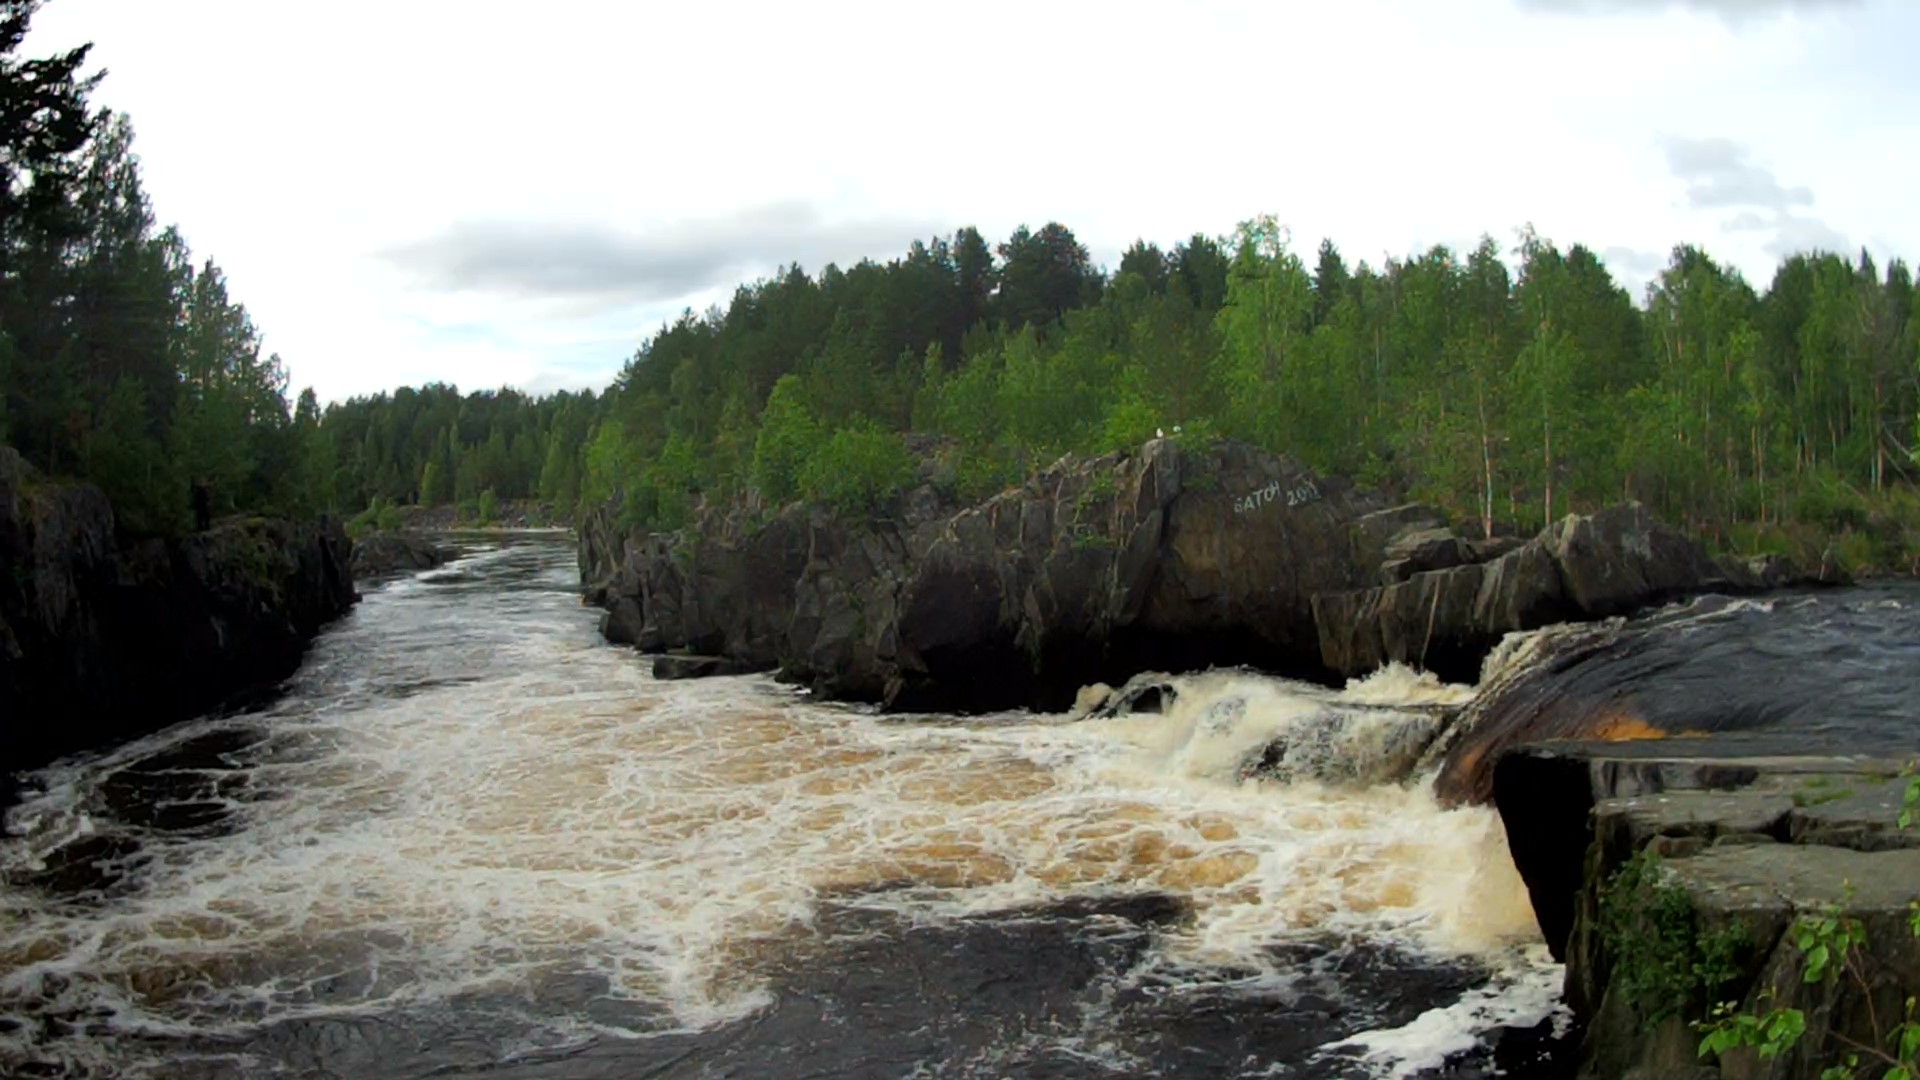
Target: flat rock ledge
1669, 874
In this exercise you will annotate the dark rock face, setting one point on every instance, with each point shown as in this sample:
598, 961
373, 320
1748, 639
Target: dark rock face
100, 642
1447, 602
395, 553
1750, 835
1832, 668
1174, 558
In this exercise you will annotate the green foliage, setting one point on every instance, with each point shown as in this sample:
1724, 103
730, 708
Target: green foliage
123, 361
379, 516
129, 466
1771, 1034
982, 474
1826, 941
1662, 960
487, 509
790, 436
857, 470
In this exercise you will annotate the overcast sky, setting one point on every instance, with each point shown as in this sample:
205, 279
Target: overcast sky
490, 193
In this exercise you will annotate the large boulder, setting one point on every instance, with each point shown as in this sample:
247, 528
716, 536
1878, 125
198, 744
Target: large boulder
103, 638
383, 554
1173, 558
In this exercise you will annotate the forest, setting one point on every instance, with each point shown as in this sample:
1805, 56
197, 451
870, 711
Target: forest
1510, 384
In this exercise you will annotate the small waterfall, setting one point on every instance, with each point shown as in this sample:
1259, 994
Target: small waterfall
1230, 727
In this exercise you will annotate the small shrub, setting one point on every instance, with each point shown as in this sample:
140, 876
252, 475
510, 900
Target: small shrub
1101, 487
379, 516
1855, 551
1661, 960
857, 469
982, 474
1829, 503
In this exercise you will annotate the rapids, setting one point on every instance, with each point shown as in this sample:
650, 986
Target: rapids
471, 837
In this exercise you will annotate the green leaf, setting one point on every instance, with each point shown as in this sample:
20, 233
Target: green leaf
1784, 1029
1816, 963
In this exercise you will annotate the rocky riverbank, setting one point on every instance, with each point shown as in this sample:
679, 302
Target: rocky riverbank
1176, 557
102, 640
1675, 876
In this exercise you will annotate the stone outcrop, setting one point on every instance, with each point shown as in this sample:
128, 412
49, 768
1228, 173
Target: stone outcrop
1177, 557
1174, 557
387, 553
103, 638
1446, 602
1670, 876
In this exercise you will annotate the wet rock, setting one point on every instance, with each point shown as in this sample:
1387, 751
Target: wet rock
398, 552
623, 623
1351, 746
1418, 551
683, 666
103, 637
1447, 603
1150, 693
1446, 621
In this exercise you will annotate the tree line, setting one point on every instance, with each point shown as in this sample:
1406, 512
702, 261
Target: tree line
1510, 386
123, 359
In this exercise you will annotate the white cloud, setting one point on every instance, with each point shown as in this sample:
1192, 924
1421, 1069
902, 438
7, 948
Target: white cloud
635, 147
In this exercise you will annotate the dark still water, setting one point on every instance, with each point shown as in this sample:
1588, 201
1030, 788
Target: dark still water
472, 839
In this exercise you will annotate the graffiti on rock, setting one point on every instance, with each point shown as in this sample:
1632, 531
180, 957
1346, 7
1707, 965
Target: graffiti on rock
1298, 495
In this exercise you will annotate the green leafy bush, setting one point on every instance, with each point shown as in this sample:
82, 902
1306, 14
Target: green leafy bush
856, 470
380, 515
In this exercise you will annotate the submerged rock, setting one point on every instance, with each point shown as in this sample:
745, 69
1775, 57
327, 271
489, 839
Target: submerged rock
1148, 693
683, 666
101, 639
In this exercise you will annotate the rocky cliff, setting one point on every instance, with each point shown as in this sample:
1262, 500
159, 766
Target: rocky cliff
102, 640
1175, 557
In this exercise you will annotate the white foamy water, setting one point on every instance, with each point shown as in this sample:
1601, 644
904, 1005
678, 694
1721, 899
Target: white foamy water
467, 795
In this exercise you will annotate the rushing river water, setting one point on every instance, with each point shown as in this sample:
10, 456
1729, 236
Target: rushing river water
472, 838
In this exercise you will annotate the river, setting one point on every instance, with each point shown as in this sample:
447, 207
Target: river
471, 838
